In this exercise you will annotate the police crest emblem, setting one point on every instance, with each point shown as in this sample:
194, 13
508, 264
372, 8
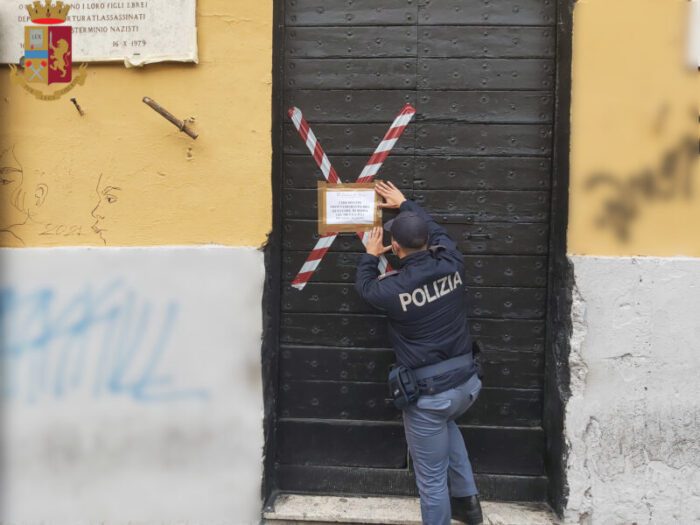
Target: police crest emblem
48, 52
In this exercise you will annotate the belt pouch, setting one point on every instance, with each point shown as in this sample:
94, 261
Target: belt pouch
403, 386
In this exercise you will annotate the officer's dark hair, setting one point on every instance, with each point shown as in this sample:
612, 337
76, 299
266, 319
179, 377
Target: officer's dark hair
413, 244
409, 230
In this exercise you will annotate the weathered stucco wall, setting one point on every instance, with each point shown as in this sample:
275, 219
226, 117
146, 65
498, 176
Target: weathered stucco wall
131, 174
633, 417
131, 385
132, 376
633, 420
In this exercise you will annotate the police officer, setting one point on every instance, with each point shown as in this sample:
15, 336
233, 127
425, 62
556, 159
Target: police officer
426, 308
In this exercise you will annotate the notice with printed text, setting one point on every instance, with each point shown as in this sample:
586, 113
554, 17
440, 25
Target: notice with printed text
350, 207
133, 32
347, 208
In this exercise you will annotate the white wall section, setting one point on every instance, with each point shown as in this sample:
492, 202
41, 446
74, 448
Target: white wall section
131, 385
633, 420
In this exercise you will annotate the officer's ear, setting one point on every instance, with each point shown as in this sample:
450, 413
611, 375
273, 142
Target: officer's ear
395, 248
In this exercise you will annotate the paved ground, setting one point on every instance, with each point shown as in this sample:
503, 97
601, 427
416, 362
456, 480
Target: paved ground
294, 509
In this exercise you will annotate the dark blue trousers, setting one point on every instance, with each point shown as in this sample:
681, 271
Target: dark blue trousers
438, 450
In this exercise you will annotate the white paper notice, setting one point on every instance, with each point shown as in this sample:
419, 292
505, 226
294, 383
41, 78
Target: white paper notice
133, 32
694, 34
350, 207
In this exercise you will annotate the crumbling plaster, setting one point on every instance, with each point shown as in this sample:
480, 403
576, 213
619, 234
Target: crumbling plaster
632, 421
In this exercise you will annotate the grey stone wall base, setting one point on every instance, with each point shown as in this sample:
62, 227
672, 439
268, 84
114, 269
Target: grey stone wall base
633, 418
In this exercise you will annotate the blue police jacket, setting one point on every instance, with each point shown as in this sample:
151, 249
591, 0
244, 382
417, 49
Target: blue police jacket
425, 304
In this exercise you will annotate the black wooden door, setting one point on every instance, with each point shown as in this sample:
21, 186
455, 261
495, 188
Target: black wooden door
478, 156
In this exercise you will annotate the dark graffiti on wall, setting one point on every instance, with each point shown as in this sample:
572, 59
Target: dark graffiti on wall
671, 179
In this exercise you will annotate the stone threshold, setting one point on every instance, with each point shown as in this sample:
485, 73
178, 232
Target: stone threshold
289, 509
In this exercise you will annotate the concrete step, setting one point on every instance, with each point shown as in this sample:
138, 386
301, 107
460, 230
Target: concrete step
289, 509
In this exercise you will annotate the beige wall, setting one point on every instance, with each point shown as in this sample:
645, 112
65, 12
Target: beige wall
172, 190
634, 111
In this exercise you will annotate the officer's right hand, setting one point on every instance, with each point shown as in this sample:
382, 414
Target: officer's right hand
374, 243
391, 194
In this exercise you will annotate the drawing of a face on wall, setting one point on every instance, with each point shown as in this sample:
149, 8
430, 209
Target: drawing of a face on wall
107, 208
19, 201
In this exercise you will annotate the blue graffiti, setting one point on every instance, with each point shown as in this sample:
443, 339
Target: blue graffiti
102, 342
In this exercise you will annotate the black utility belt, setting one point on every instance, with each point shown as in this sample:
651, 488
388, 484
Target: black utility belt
403, 381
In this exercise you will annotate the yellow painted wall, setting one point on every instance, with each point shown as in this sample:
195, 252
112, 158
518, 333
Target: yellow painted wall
634, 110
634, 102
172, 190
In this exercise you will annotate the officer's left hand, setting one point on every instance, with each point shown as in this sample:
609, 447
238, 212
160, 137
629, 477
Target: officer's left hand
375, 244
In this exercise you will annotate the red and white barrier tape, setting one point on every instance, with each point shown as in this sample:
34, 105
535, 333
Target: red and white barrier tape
368, 173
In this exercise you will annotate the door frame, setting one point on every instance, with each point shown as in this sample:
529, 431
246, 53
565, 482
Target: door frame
272, 292
559, 273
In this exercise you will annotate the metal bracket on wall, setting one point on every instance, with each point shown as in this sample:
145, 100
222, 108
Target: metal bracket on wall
479, 236
180, 124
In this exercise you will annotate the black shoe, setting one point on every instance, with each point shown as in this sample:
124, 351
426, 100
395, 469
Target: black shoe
467, 510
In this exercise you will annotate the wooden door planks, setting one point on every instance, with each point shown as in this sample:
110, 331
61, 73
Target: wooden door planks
498, 302
363, 330
484, 270
363, 401
397, 482
495, 450
503, 368
472, 237
478, 156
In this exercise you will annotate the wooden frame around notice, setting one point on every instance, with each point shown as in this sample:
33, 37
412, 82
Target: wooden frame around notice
324, 229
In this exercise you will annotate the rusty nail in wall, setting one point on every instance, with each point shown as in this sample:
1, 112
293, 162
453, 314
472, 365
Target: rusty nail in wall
77, 106
181, 125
